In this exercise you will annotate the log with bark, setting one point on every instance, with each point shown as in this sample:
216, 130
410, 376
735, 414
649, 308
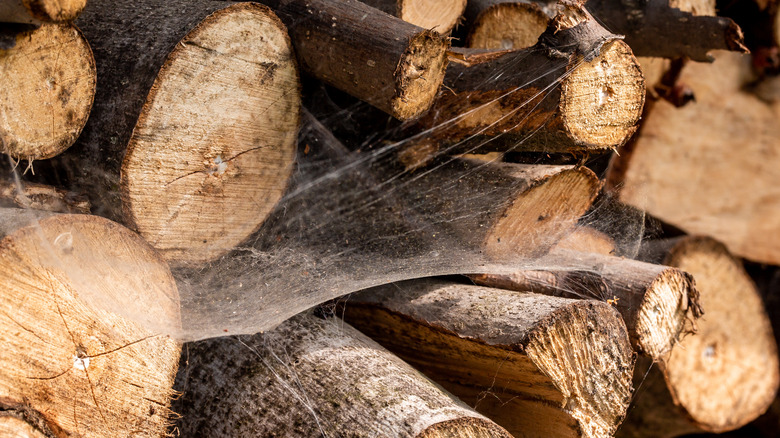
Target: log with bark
15, 193
314, 377
656, 302
40, 11
727, 374
578, 89
537, 365
438, 15
394, 65
192, 143
506, 24
48, 79
81, 295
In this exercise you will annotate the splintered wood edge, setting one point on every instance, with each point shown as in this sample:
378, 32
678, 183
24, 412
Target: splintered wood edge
81, 366
464, 428
211, 155
419, 75
438, 15
727, 375
608, 113
511, 25
53, 75
540, 215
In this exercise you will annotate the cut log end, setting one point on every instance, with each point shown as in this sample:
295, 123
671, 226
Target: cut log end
464, 428
419, 75
509, 25
55, 10
53, 75
12, 427
230, 167
439, 15
608, 116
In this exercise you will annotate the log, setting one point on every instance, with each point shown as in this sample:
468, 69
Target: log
657, 28
83, 300
718, 157
584, 238
578, 89
53, 75
314, 377
41, 197
192, 144
659, 304
537, 365
503, 24
727, 374
40, 11
438, 15
393, 65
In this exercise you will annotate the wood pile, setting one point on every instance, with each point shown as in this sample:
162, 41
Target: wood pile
417, 218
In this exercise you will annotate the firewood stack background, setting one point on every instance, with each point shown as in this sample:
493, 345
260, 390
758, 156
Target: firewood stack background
413, 218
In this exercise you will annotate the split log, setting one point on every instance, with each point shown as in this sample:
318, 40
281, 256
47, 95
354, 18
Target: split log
393, 65
49, 85
537, 365
655, 301
192, 143
578, 89
40, 11
438, 15
314, 377
81, 297
587, 239
726, 375
506, 24
657, 28
718, 158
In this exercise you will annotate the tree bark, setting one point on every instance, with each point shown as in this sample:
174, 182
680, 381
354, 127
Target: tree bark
438, 15
82, 300
50, 85
192, 143
314, 377
658, 304
385, 61
502, 24
40, 11
510, 355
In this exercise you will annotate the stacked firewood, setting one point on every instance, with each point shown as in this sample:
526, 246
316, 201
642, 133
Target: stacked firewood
147, 141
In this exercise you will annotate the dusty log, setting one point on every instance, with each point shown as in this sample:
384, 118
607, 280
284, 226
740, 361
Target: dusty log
717, 157
727, 374
314, 377
40, 11
503, 24
49, 85
41, 197
438, 15
655, 301
80, 294
510, 355
394, 65
191, 144
658, 28
578, 89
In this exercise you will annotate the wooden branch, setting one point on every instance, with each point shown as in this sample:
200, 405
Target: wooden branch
654, 28
50, 76
385, 61
192, 143
81, 298
505, 24
537, 365
727, 374
717, 157
655, 301
314, 377
438, 15
578, 89
40, 11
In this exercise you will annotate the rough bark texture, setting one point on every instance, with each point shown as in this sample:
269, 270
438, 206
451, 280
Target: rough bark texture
385, 61
578, 89
727, 374
79, 293
712, 166
655, 301
39, 11
501, 24
537, 365
654, 28
49, 84
314, 377
202, 128
438, 15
